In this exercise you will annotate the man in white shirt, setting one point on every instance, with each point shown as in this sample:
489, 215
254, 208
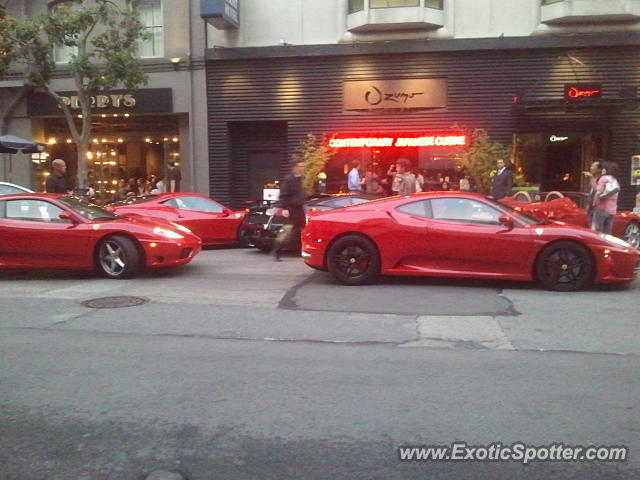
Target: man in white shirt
354, 183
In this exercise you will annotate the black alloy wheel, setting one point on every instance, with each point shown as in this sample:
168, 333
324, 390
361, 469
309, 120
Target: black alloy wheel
118, 257
632, 234
353, 260
565, 267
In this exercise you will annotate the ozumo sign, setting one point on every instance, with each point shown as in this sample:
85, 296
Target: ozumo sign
394, 94
147, 100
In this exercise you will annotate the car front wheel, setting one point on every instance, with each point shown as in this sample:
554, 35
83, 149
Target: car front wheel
118, 257
565, 267
632, 234
353, 260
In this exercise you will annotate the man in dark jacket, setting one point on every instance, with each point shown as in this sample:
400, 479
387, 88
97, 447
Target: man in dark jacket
502, 182
56, 183
291, 201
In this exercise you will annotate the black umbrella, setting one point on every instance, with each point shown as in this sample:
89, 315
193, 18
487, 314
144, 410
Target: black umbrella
13, 144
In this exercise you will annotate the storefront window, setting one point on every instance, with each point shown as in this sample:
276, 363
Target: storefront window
356, 6
62, 53
126, 154
393, 3
151, 16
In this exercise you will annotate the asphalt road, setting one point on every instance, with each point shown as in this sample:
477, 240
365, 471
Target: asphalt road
241, 368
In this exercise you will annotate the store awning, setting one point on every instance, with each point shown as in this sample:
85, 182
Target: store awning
13, 144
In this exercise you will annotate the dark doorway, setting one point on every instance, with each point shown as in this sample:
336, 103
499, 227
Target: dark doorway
259, 155
264, 167
556, 160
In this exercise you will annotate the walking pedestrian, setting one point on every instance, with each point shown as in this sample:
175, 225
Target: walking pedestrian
291, 201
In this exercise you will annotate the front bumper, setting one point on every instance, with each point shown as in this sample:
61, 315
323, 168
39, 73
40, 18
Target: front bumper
167, 253
618, 266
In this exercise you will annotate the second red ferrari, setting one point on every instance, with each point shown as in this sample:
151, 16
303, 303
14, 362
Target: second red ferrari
569, 207
214, 223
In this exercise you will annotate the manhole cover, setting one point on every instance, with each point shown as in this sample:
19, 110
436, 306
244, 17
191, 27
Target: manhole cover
115, 302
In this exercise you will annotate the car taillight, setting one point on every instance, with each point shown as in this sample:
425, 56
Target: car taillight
306, 220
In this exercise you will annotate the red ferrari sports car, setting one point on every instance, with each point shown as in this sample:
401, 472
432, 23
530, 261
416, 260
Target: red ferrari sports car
64, 232
214, 223
570, 207
454, 234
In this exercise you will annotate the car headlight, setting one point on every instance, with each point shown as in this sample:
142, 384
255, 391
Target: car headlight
615, 240
163, 232
182, 228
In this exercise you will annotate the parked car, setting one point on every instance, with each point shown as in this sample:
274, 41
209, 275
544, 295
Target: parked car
49, 231
214, 223
454, 234
263, 222
9, 188
570, 207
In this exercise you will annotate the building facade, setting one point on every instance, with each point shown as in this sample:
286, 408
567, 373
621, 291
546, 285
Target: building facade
378, 79
134, 134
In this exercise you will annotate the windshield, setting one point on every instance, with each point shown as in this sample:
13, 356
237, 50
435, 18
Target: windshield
87, 210
517, 213
133, 200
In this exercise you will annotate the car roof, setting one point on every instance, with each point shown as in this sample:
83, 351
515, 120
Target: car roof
42, 196
19, 187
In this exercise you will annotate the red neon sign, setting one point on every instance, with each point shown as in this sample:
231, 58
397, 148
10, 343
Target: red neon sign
400, 141
575, 92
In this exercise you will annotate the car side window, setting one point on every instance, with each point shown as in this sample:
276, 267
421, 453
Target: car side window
34, 210
197, 204
7, 189
464, 210
420, 208
341, 202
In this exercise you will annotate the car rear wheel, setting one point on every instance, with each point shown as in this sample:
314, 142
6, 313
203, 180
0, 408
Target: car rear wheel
565, 267
118, 257
553, 195
353, 260
522, 197
632, 234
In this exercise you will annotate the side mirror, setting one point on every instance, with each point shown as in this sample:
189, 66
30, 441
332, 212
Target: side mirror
506, 220
67, 216
226, 212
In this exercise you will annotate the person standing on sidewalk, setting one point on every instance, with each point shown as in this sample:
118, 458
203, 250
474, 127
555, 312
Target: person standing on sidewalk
594, 173
291, 201
605, 203
56, 181
354, 182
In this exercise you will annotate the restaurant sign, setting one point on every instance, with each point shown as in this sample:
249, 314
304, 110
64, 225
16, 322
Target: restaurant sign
146, 100
402, 140
405, 93
582, 91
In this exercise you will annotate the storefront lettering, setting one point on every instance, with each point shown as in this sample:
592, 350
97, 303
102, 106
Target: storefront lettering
574, 92
376, 97
553, 138
425, 141
103, 101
